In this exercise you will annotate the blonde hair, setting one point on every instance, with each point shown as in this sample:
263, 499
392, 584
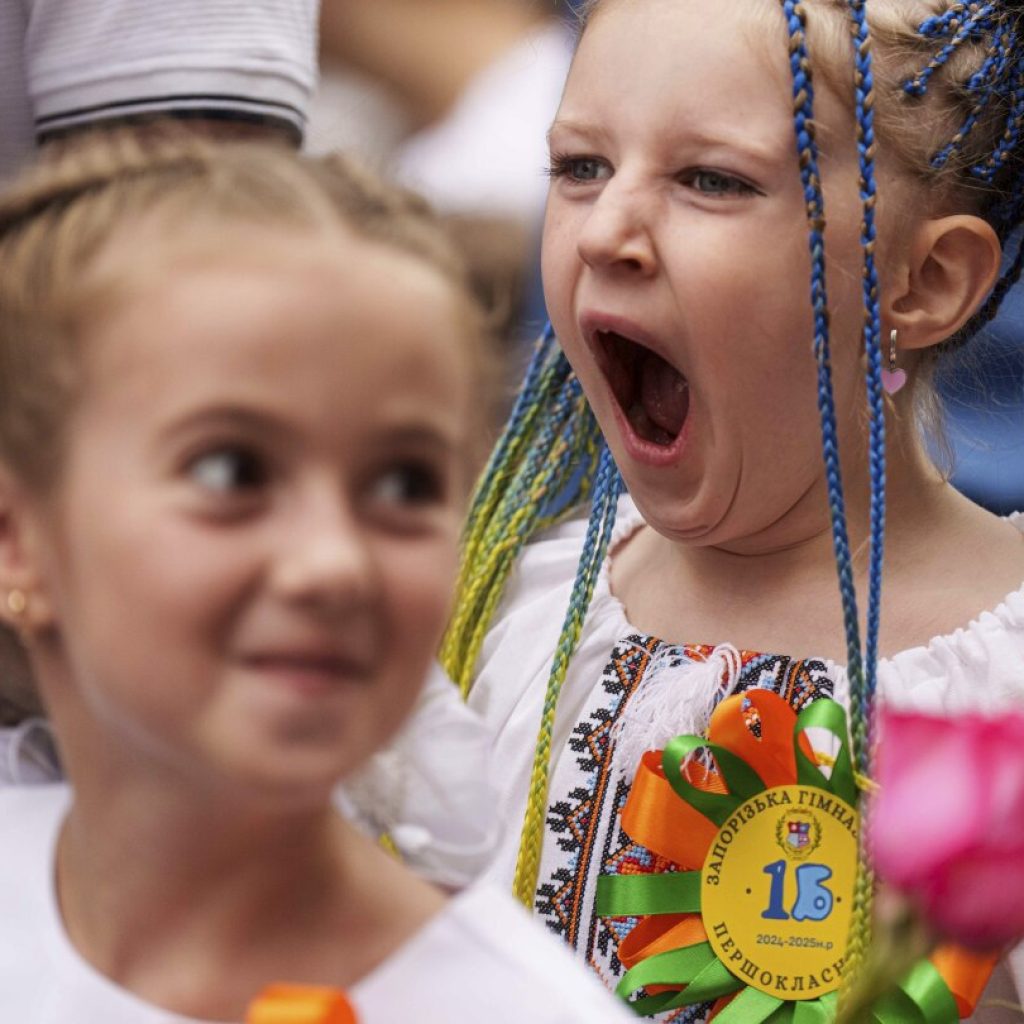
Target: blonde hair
60, 217
911, 128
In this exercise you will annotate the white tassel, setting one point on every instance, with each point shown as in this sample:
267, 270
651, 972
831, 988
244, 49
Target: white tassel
675, 698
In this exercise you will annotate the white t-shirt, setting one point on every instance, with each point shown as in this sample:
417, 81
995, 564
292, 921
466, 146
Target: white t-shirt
480, 959
980, 666
65, 63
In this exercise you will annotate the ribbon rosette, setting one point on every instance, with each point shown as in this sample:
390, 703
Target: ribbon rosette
755, 919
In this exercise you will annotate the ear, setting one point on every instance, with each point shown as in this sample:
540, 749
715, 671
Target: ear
951, 265
25, 605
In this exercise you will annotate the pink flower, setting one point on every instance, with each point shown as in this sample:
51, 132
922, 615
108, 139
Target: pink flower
947, 826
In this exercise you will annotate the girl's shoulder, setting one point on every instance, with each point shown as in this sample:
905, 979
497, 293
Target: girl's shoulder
31, 813
30, 820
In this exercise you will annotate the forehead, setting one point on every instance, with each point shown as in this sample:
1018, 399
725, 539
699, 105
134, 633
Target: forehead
682, 70
752, 30
248, 311
684, 62
334, 272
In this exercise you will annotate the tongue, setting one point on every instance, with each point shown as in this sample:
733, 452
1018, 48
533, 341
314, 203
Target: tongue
664, 394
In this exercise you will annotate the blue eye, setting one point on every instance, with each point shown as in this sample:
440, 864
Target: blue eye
578, 168
716, 183
229, 470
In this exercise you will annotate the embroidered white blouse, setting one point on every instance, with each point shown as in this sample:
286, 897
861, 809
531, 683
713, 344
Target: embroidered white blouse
980, 667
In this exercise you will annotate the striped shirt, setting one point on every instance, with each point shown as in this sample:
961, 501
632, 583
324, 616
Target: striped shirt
67, 63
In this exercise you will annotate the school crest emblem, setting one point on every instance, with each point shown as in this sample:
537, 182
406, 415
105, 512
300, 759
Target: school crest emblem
798, 833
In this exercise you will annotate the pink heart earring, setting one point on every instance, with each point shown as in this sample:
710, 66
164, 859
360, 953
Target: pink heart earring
893, 378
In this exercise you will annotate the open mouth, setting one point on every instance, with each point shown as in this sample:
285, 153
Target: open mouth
653, 394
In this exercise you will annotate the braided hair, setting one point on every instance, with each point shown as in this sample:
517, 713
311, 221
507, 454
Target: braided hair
551, 457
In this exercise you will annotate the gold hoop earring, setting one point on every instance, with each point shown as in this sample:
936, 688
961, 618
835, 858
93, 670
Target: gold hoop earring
893, 378
17, 602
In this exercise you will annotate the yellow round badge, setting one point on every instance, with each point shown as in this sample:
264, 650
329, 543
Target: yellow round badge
777, 890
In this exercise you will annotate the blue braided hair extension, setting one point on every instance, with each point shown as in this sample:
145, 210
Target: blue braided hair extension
864, 110
861, 668
996, 90
807, 150
961, 23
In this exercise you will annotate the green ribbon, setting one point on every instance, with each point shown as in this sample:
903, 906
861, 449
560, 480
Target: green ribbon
826, 714
707, 978
923, 998
641, 895
741, 780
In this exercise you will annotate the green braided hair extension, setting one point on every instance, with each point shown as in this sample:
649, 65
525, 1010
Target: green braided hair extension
595, 547
542, 467
549, 460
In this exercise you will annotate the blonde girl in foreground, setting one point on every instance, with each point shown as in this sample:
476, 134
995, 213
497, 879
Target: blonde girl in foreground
239, 395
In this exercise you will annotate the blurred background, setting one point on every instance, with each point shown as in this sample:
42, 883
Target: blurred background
453, 98
983, 395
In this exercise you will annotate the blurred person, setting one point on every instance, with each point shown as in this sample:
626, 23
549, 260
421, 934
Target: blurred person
230, 568
230, 69
473, 85
68, 67
225, 71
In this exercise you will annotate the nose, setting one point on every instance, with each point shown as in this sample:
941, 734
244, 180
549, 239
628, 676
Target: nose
325, 558
617, 231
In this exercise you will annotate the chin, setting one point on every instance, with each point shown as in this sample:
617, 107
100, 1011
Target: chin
698, 519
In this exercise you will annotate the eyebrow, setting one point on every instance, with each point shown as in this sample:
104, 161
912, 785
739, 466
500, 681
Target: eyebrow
765, 152
220, 415
431, 439
768, 150
578, 127
249, 419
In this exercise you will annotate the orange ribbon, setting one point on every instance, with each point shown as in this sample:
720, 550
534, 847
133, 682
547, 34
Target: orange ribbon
966, 973
301, 1004
657, 819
